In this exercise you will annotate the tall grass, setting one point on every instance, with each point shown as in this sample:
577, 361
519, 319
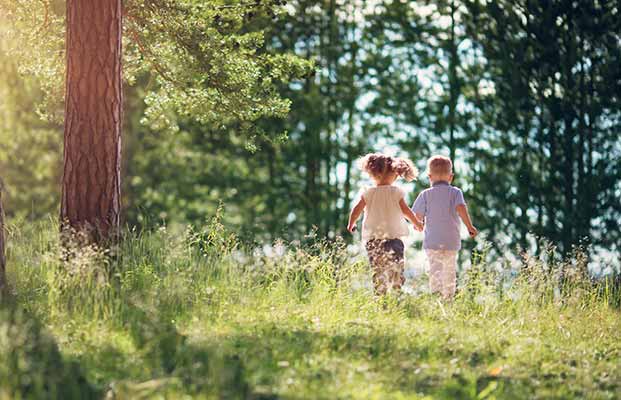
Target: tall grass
195, 313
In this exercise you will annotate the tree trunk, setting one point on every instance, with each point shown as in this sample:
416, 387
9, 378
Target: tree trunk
349, 158
584, 196
541, 166
3, 285
350, 148
271, 198
569, 216
91, 181
524, 189
453, 83
333, 144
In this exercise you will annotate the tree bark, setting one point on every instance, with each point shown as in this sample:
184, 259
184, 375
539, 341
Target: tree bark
349, 145
91, 184
333, 146
3, 283
453, 83
569, 133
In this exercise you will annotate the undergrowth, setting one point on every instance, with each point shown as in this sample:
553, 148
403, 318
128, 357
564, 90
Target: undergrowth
197, 314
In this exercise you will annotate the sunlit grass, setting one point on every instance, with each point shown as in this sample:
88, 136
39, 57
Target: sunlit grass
193, 313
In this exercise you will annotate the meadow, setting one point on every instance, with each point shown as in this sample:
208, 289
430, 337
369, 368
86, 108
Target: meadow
196, 314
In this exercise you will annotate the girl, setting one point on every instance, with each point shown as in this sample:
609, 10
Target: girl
383, 225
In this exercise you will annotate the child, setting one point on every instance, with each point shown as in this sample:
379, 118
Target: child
440, 206
383, 225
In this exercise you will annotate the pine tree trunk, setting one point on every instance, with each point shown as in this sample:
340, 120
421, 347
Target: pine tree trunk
91, 188
453, 82
584, 196
333, 143
271, 199
348, 161
2, 251
3, 283
569, 216
350, 147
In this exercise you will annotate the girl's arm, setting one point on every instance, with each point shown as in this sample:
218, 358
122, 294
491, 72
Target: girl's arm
355, 214
418, 225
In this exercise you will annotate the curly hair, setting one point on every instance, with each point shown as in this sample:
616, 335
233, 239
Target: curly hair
378, 165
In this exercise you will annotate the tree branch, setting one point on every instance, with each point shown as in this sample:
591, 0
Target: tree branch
147, 54
46, 23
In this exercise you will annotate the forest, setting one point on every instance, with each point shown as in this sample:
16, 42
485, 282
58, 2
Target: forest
523, 95
194, 142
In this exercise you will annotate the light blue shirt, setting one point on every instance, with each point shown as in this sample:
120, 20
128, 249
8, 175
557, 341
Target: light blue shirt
438, 205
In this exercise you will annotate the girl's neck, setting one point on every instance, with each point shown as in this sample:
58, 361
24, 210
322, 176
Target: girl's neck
384, 183
386, 179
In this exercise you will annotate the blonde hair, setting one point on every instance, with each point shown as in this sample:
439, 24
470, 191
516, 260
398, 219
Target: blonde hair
440, 165
378, 165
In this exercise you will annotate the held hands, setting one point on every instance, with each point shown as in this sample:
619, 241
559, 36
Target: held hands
472, 231
419, 227
351, 228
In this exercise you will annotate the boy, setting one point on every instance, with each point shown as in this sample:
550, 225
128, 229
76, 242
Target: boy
440, 206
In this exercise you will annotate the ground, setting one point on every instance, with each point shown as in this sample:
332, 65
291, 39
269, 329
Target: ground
190, 315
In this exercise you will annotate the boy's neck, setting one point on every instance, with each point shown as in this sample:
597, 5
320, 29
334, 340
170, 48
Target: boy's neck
439, 182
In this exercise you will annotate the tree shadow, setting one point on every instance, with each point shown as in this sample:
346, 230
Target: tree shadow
31, 365
399, 368
175, 365
269, 347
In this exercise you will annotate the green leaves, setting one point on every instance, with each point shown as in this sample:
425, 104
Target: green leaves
206, 59
33, 37
208, 64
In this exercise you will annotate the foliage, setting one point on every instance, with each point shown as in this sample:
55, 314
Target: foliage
554, 117
31, 148
183, 317
300, 169
524, 94
207, 62
455, 77
203, 58
33, 34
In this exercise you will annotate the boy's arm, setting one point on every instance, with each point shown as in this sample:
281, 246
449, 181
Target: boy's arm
462, 211
418, 225
355, 214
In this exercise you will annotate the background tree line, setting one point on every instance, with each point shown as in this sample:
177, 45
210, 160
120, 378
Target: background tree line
524, 95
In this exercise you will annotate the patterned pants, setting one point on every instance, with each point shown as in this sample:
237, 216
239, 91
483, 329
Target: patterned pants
442, 275
387, 262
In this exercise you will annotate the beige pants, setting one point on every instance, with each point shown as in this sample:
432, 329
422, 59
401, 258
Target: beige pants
442, 275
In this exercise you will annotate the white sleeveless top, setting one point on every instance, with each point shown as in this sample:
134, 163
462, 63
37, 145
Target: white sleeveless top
383, 218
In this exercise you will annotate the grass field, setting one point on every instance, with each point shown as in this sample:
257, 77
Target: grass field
188, 315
